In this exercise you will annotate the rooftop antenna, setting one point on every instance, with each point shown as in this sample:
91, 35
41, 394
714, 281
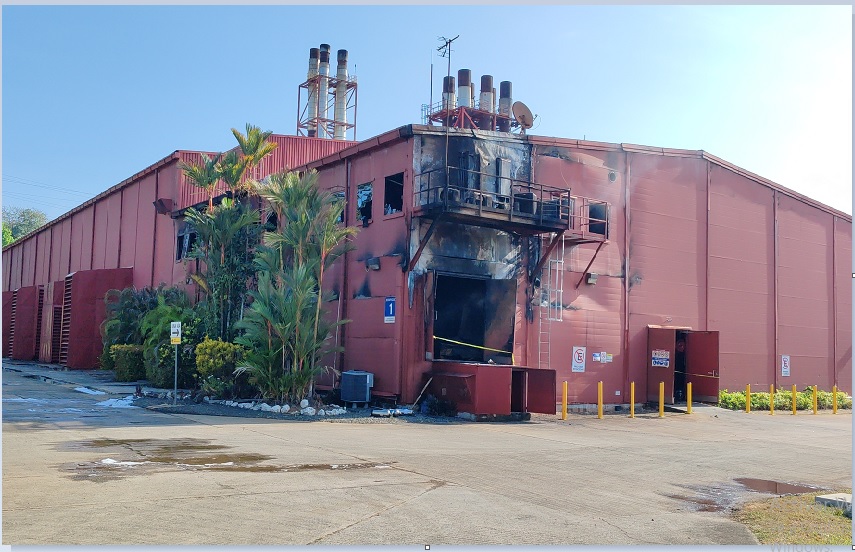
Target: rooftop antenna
523, 116
445, 51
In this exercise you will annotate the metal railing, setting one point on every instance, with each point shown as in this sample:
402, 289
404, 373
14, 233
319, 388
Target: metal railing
517, 200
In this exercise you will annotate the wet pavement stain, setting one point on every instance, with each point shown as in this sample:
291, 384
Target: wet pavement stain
699, 504
179, 454
775, 487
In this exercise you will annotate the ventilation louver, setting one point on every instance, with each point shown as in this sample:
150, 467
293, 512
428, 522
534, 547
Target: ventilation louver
356, 386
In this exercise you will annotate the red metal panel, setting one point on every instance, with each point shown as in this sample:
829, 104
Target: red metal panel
145, 226
28, 268
60, 238
166, 231
805, 289
474, 388
88, 312
99, 235
702, 365
16, 267
114, 228
742, 279
42, 275
843, 300
7, 321
128, 227
81, 240
7, 263
26, 321
661, 339
541, 390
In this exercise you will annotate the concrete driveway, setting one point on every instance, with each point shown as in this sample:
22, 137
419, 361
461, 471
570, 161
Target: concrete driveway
84, 473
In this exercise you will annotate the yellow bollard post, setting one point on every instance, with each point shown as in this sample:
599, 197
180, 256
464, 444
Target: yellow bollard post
748, 399
771, 399
834, 400
564, 402
632, 399
814, 399
794, 399
600, 400
689, 398
661, 399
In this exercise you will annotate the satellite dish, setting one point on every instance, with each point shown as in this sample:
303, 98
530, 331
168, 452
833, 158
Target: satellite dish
523, 115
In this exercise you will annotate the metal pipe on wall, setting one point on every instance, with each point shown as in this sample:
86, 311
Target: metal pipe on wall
340, 112
323, 89
313, 91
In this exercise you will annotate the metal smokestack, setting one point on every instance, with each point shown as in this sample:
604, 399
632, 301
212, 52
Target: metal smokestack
486, 103
313, 92
464, 88
323, 88
505, 102
448, 97
341, 97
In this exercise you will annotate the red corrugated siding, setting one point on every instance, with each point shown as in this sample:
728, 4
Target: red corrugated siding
28, 252
805, 314
99, 235
128, 227
843, 300
114, 219
742, 292
7, 266
42, 261
292, 152
82, 224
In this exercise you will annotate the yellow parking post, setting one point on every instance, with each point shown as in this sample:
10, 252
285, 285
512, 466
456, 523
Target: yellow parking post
814, 399
661, 399
794, 399
689, 398
772, 399
632, 399
748, 399
600, 400
834, 400
564, 402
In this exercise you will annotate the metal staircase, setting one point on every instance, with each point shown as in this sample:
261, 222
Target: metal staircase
12, 323
550, 306
39, 312
66, 321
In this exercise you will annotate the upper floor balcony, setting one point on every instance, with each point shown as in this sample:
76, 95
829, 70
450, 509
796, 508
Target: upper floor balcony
479, 199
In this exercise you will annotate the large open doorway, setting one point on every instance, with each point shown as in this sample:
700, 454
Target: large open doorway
677, 356
474, 319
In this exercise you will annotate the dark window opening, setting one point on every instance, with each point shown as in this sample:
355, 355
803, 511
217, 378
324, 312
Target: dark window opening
597, 218
184, 244
477, 314
393, 196
364, 201
339, 197
271, 223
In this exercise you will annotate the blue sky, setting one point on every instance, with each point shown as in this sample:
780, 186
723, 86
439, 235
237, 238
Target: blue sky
93, 94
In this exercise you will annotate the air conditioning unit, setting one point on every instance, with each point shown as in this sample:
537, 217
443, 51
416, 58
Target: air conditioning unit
356, 386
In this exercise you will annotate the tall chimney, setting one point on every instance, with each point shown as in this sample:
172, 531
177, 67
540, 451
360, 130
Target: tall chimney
464, 79
313, 92
486, 103
341, 97
448, 97
323, 89
505, 106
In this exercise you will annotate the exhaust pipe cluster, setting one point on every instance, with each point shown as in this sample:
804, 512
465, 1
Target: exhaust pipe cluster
319, 94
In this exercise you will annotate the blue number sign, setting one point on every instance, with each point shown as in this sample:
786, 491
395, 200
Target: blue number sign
389, 311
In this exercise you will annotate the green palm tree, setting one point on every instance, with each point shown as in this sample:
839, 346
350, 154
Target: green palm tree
204, 176
254, 146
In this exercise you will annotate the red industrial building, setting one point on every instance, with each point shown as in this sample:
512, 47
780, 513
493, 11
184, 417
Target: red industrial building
495, 264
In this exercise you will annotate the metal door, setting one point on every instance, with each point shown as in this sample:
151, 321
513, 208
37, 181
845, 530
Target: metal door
702, 365
660, 362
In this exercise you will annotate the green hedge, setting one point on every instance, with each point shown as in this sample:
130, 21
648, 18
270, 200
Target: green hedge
783, 400
162, 373
215, 357
128, 362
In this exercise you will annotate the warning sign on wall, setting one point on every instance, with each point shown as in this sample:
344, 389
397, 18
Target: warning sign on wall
785, 365
661, 358
578, 359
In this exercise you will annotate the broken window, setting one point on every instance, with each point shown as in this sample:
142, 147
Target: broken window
339, 196
598, 216
364, 196
271, 223
393, 196
185, 242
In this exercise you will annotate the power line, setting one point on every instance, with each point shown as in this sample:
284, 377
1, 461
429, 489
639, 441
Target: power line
36, 183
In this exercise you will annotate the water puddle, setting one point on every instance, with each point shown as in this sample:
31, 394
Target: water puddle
775, 487
125, 457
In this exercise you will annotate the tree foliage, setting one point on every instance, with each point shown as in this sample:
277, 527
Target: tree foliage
7, 234
22, 221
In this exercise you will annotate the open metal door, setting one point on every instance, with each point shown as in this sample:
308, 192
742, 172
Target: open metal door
540, 390
661, 343
702, 365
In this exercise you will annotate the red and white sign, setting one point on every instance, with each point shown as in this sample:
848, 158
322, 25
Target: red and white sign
578, 359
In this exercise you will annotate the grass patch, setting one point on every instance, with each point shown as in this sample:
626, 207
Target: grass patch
796, 519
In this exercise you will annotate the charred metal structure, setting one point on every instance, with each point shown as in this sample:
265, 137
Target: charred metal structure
492, 265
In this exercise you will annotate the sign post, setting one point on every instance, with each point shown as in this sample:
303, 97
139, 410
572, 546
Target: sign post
175, 339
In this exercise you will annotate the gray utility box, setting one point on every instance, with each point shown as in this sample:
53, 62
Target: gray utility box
356, 386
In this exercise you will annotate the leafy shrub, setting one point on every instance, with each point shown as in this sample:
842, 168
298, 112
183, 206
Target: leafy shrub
783, 400
128, 362
160, 368
159, 352
218, 358
105, 361
126, 310
215, 387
